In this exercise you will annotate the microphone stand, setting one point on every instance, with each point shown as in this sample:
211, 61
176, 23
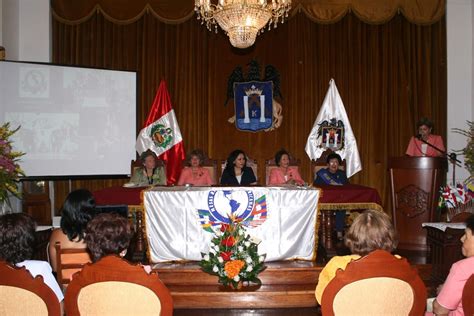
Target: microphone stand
452, 157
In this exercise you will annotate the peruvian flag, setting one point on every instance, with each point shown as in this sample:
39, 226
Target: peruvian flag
161, 134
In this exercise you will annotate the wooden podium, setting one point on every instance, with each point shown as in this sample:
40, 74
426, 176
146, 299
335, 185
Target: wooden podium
415, 184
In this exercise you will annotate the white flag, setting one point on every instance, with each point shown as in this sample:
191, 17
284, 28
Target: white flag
333, 110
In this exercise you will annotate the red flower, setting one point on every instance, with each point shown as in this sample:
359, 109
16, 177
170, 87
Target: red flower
226, 255
224, 227
228, 242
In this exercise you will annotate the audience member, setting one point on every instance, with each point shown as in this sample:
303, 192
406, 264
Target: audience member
371, 230
78, 209
236, 171
109, 234
194, 173
284, 174
17, 242
449, 299
149, 174
418, 146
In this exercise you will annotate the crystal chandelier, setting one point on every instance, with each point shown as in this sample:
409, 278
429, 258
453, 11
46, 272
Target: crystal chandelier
242, 20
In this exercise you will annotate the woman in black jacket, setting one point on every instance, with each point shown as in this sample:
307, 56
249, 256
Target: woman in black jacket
236, 171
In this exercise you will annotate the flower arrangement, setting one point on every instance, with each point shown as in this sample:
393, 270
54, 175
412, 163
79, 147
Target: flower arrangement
233, 256
468, 151
457, 198
10, 170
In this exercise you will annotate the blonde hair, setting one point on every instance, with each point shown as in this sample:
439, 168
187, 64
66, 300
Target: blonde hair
370, 231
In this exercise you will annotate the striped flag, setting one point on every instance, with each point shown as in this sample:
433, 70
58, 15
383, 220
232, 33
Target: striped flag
161, 134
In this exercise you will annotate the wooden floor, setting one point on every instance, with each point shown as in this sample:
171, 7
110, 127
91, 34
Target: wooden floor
287, 289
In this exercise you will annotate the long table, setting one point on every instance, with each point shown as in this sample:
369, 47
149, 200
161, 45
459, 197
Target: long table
177, 220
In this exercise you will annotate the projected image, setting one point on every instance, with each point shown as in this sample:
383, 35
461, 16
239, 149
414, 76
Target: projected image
34, 82
46, 136
74, 121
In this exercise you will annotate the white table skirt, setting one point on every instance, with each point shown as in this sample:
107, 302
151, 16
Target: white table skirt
179, 220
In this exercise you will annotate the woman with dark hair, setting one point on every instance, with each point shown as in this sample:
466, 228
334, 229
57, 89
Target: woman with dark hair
418, 146
449, 299
17, 242
77, 210
108, 234
371, 230
284, 174
236, 171
149, 174
194, 173
331, 175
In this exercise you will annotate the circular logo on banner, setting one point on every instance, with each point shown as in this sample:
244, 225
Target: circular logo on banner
223, 203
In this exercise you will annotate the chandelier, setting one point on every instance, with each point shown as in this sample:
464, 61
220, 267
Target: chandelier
242, 20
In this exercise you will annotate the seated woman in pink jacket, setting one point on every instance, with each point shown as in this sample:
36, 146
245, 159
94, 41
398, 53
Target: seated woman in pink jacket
284, 174
195, 174
418, 146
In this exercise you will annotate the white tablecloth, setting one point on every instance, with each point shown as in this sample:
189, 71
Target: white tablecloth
179, 220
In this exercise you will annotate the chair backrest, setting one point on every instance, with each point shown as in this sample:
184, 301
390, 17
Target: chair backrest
135, 164
112, 286
68, 262
21, 294
468, 296
252, 163
271, 164
377, 284
211, 166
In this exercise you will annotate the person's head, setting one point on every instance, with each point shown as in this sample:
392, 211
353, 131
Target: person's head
424, 127
77, 210
2, 53
237, 159
468, 238
148, 159
370, 231
282, 158
195, 158
17, 237
107, 234
334, 161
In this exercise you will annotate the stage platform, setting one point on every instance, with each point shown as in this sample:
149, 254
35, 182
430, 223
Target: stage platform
285, 285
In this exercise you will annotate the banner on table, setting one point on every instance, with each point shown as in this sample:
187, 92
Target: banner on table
180, 222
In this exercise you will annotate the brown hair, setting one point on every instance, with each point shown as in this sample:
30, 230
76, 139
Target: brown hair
195, 153
107, 233
370, 231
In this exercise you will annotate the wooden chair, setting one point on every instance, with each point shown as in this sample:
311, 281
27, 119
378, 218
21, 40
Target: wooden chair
252, 163
211, 166
271, 164
468, 296
112, 286
377, 284
68, 262
21, 294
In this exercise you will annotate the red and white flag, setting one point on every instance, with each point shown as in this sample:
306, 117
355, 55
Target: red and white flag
161, 135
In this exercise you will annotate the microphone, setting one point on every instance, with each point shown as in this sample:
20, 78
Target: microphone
418, 136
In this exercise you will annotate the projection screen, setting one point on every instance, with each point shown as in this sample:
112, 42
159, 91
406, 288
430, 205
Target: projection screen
74, 121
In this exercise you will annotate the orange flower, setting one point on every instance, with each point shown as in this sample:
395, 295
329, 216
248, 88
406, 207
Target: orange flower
232, 268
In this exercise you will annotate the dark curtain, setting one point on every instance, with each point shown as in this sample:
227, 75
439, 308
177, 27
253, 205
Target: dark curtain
388, 75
